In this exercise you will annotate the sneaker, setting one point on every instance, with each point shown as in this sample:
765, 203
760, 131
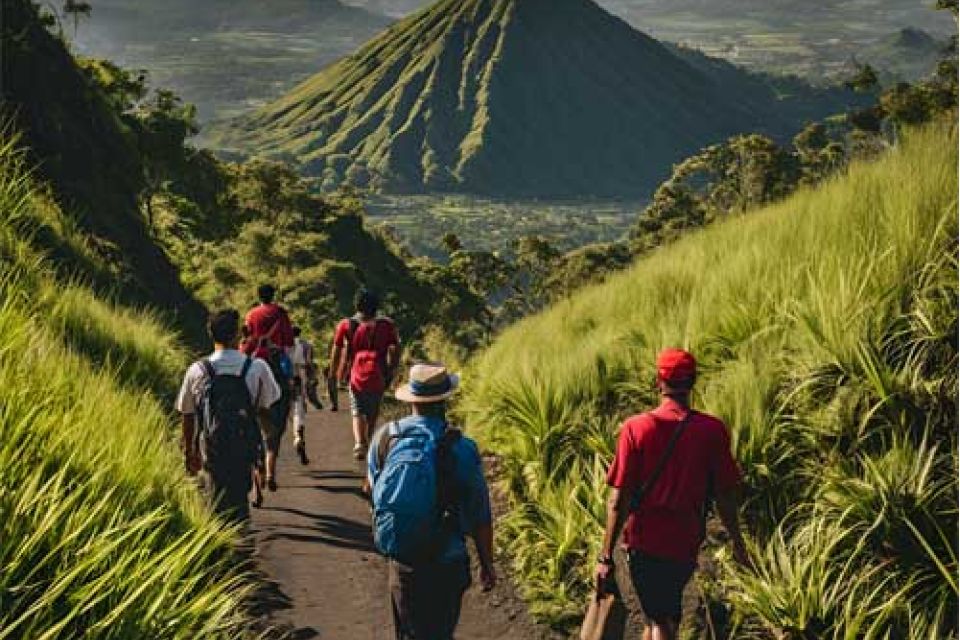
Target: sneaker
301, 447
359, 451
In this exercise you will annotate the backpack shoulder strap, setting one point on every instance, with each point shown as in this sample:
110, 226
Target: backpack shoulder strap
662, 462
448, 490
246, 367
208, 369
387, 439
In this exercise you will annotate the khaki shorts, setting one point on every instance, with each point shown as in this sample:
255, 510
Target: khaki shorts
272, 430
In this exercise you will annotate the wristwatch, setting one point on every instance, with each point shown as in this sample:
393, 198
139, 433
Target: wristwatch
607, 560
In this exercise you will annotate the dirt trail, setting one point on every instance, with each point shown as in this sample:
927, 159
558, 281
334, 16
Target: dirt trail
313, 544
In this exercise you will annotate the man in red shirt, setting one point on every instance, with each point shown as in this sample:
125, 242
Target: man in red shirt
366, 350
669, 463
269, 333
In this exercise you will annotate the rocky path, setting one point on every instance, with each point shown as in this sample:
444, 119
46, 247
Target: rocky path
314, 547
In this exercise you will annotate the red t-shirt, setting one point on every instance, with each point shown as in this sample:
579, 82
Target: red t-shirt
669, 521
384, 335
261, 321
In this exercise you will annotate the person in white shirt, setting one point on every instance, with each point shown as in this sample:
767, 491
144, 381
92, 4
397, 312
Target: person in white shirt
304, 374
230, 481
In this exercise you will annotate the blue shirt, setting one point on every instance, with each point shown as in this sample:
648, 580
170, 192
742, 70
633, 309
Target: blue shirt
473, 497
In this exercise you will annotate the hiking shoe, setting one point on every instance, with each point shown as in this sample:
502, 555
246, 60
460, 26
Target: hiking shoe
271, 483
302, 452
359, 451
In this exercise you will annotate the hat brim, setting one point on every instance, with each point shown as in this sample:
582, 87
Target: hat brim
406, 394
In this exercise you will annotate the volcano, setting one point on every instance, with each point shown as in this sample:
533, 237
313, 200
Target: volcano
529, 98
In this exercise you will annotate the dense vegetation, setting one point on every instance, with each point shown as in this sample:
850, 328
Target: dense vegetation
533, 98
101, 534
827, 330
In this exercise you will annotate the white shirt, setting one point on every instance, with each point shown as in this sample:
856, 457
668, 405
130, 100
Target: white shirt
263, 388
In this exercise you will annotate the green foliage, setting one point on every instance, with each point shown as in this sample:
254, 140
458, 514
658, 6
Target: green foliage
826, 328
101, 534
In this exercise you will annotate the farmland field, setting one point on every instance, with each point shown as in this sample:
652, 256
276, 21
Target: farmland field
421, 221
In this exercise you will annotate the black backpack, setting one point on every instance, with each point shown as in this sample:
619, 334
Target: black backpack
228, 433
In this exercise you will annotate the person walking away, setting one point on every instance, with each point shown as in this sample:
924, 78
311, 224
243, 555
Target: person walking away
304, 377
271, 339
219, 401
669, 463
366, 352
428, 494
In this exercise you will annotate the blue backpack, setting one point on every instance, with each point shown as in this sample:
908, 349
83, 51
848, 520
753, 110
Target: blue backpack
414, 496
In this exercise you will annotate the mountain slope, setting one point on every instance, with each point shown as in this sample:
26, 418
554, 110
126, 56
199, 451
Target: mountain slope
826, 331
522, 97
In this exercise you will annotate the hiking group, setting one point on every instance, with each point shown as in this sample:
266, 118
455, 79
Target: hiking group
425, 479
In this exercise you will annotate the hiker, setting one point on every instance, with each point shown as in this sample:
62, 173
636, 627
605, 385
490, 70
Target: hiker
271, 339
366, 351
424, 505
220, 401
304, 378
669, 463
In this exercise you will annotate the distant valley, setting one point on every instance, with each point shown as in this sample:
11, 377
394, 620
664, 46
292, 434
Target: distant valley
225, 57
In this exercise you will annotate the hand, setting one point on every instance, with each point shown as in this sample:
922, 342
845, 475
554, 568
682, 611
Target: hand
603, 577
488, 577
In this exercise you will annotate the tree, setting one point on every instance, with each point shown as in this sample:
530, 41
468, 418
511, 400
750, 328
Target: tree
451, 243
864, 80
77, 9
163, 126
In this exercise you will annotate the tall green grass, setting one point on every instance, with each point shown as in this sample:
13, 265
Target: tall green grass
826, 329
101, 533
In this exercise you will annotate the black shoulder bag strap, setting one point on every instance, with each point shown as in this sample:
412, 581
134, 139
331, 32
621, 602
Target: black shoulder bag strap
208, 369
661, 463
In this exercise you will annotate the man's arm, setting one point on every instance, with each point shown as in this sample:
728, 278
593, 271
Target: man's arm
483, 539
336, 352
728, 508
618, 510
191, 457
393, 362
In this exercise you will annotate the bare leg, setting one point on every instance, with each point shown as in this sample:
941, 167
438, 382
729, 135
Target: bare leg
271, 465
257, 487
664, 630
648, 633
359, 430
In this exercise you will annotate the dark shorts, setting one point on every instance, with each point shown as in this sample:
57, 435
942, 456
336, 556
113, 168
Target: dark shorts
364, 403
659, 583
273, 430
228, 491
426, 599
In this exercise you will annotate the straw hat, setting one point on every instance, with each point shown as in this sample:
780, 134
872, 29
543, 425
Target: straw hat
428, 383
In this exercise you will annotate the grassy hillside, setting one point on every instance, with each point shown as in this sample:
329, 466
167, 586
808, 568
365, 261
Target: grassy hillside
508, 97
101, 534
827, 331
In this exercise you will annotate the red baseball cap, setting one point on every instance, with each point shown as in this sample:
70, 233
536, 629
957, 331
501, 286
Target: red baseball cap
674, 365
